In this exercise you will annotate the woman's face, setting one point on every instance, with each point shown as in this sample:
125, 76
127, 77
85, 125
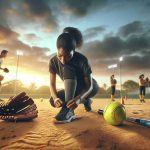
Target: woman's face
64, 56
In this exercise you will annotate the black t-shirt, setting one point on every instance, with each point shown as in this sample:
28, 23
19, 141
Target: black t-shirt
79, 62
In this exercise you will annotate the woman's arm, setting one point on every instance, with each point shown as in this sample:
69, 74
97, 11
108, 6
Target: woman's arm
53, 90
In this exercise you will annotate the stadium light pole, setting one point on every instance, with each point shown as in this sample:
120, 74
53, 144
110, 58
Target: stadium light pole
19, 53
120, 60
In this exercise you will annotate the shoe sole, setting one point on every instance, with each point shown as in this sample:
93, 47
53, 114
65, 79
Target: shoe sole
67, 121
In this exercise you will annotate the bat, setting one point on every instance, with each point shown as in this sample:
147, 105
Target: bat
139, 121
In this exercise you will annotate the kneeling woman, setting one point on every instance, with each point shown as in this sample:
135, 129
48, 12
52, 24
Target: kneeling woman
73, 68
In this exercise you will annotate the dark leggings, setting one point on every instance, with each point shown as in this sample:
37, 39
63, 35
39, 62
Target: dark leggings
142, 90
61, 94
113, 90
72, 87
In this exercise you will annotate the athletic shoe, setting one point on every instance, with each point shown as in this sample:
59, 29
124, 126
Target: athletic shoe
65, 115
87, 105
142, 100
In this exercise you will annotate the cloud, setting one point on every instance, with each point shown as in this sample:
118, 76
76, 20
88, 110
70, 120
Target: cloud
37, 7
109, 47
44, 13
80, 8
131, 28
31, 37
137, 62
4, 5
35, 12
132, 40
41, 12
6, 34
138, 43
34, 57
135, 49
93, 32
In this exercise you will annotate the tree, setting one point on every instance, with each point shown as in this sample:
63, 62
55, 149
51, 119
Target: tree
102, 91
43, 90
8, 87
105, 86
32, 88
130, 85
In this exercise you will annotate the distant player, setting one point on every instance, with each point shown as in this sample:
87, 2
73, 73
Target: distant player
2, 56
113, 82
142, 85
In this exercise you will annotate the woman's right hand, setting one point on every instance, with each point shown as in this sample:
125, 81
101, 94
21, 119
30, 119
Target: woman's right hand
6, 70
58, 102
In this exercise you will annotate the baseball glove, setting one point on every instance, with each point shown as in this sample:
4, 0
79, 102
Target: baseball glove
6, 70
147, 79
115, 81
18, 108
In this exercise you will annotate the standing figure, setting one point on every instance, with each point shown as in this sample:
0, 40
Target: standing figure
3, 55
113, 82
142, 86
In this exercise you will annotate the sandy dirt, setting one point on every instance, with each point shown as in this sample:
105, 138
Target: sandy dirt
91, 132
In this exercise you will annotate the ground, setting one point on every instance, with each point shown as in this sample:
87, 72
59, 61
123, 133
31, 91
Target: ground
91, 132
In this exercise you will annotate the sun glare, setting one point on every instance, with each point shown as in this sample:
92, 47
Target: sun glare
28, 79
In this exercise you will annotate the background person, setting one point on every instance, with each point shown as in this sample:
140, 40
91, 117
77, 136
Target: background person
142, 87
113, 82
3, 55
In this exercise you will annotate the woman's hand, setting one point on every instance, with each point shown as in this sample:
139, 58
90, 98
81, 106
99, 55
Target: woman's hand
58, 102
73, 104
6, 70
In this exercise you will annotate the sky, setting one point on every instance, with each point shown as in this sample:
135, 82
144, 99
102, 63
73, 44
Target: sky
110, 28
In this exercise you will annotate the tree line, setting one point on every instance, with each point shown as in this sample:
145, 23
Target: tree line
13, 87
8, 88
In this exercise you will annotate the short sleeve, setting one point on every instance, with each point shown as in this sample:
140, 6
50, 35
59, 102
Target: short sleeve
86, 68
51, 66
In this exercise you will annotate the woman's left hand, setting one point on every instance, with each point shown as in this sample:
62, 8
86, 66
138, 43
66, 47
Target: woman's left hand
73, 104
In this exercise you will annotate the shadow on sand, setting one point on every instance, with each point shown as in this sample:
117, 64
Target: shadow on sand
92, 132
11, 131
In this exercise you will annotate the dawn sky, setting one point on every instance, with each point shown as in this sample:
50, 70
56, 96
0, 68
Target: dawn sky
111, 28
